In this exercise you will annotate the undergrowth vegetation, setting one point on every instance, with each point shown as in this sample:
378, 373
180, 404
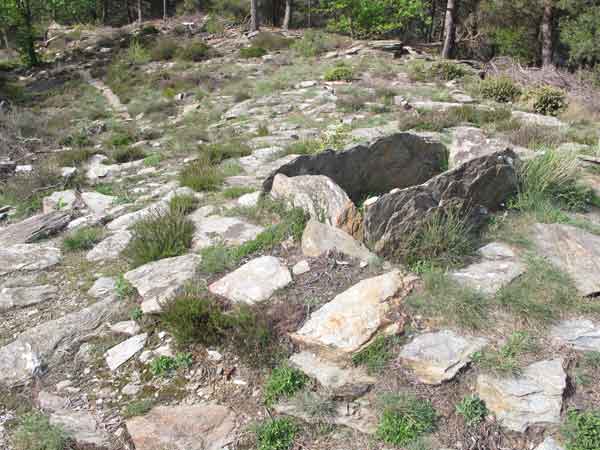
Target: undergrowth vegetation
405, 419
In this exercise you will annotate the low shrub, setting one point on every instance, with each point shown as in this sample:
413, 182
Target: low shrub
284, 382
162, 234
376, 355
128, 154
164, 49
201, 175
339, 72
164, 366
82, 238
548, 100
500, 89
582, 430
219, 151
447, 70
35, 432
405, 419
121, 138
271, 41
194, 51
252, 52
472, 409
183, 204
276, 434
312, 43
138, 407
26, 191
124, 288
137, 53
507, 360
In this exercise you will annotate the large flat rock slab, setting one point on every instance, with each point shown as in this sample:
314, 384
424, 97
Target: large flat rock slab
572, 250
158, 281
35, 348
253, 282
121, 353
438, 357
225, 230
28, 257
21, 297
535, 397
499, 265
34, 228
581, 334
195, 427
82, 427
319, 238
353, 317
111, 247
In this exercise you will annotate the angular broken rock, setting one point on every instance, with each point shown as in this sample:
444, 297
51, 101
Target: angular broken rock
498, 267
121, 353
473, 189
59, 200
36, 348
103, 287
318, 195
581, 334
533, 398
20, 297
437, 357
111, 247
195, 427
226, 230
353, 317
81, 426
319, 238
572, 250
471, 142
158, 281
342, 382
99, 204
35, 228
549, 444
129, 327
395, 161
254, 282
28, 257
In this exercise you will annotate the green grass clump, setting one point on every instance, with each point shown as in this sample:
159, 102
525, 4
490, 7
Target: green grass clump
35, 432
582, 430
163, 234
304, 147
271, 41
376, 355
128, 154
152, 160
506, 361
448, 70
445, 300
472, 409
500, 89
138, 407
284, 382
219, 152
432, 120
548, 100
194, 51
237, 191
183, 204
276, 434
164, 366
137, 53
339, 72
252, 52
312, 43
164, 49
201, 175
75, 157
405, 419
82, 238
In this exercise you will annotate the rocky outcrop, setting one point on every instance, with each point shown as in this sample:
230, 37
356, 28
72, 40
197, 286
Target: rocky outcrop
21, 297
319, 238
28, 257
395, 161
121, 353
472, 189
580, 334
111, 247
35, 228
225, 230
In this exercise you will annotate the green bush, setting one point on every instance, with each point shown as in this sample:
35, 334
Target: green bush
201, 175
219, 151
162, 234
137, 53
582, 430
183, 204
284, 382
339, 72
194, 51
128, 154
405, 419
473, 410
82, 238
164, 49
164, 366
507, 360
252, 52
312, 43
276, 434
376, 355
500, 89
548, 100
35, 432
271, 41
447, 70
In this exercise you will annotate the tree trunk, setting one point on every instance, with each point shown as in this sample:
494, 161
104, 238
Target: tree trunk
288, 14
547, 34
449, 29
165, 10
254, 19
140, 11
432, 24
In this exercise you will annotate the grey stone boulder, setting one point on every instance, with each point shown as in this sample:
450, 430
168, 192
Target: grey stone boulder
319, 238
121, 353
472, 189
395, 161
317, 195
549, 444
128, 327
574, 251
581, 334
28, 257
157, 282
21, 297
111, 247
226, 230
189, 427
35, 228
98, 204
535, 397
538, 119
59, 200
437, 357
253, 282
103, 288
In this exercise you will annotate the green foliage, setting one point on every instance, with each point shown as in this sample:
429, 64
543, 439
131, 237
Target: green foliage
237, 191
448, 70
376, 355
152, 160
128, 154
500, 89
312, 43
201, 175
304, 147
136, 313
35, 432
431, 120
183, 204
284, 382
124, 288
164, 366
138, 407
518, 42
252, 52
276, 434
75, 157
405, 419
194, 51
507, 359
473, 410
339, 72
137, 53
271, 41
548, 100
580, 33
219, 151
82, 238
165, 49
582, 430
162, 234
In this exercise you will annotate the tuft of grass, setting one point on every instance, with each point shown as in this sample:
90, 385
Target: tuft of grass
75, 157
582, 430
506, 361
321, 408
152, 160
376, 355
405, 419
339, 72
304, 147
194, 51
124, 289
447, 70
313, 43
163, 234
82, 238
499, 89
271, 41
472, 409
432, 120
283, 382
201, 175
443, 299
220, 151
164, 366
183, 204
136, 313
252, 52
138, 407
164, 49
276, 434
128, 154
137, 53
35, 432
237, 191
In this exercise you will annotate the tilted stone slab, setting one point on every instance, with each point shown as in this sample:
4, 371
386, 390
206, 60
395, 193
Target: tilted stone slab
437, 357
533, 398
34, 228
28, 257
111, 247
21, 297
121, 353
226, 230
319, 238
581, 334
